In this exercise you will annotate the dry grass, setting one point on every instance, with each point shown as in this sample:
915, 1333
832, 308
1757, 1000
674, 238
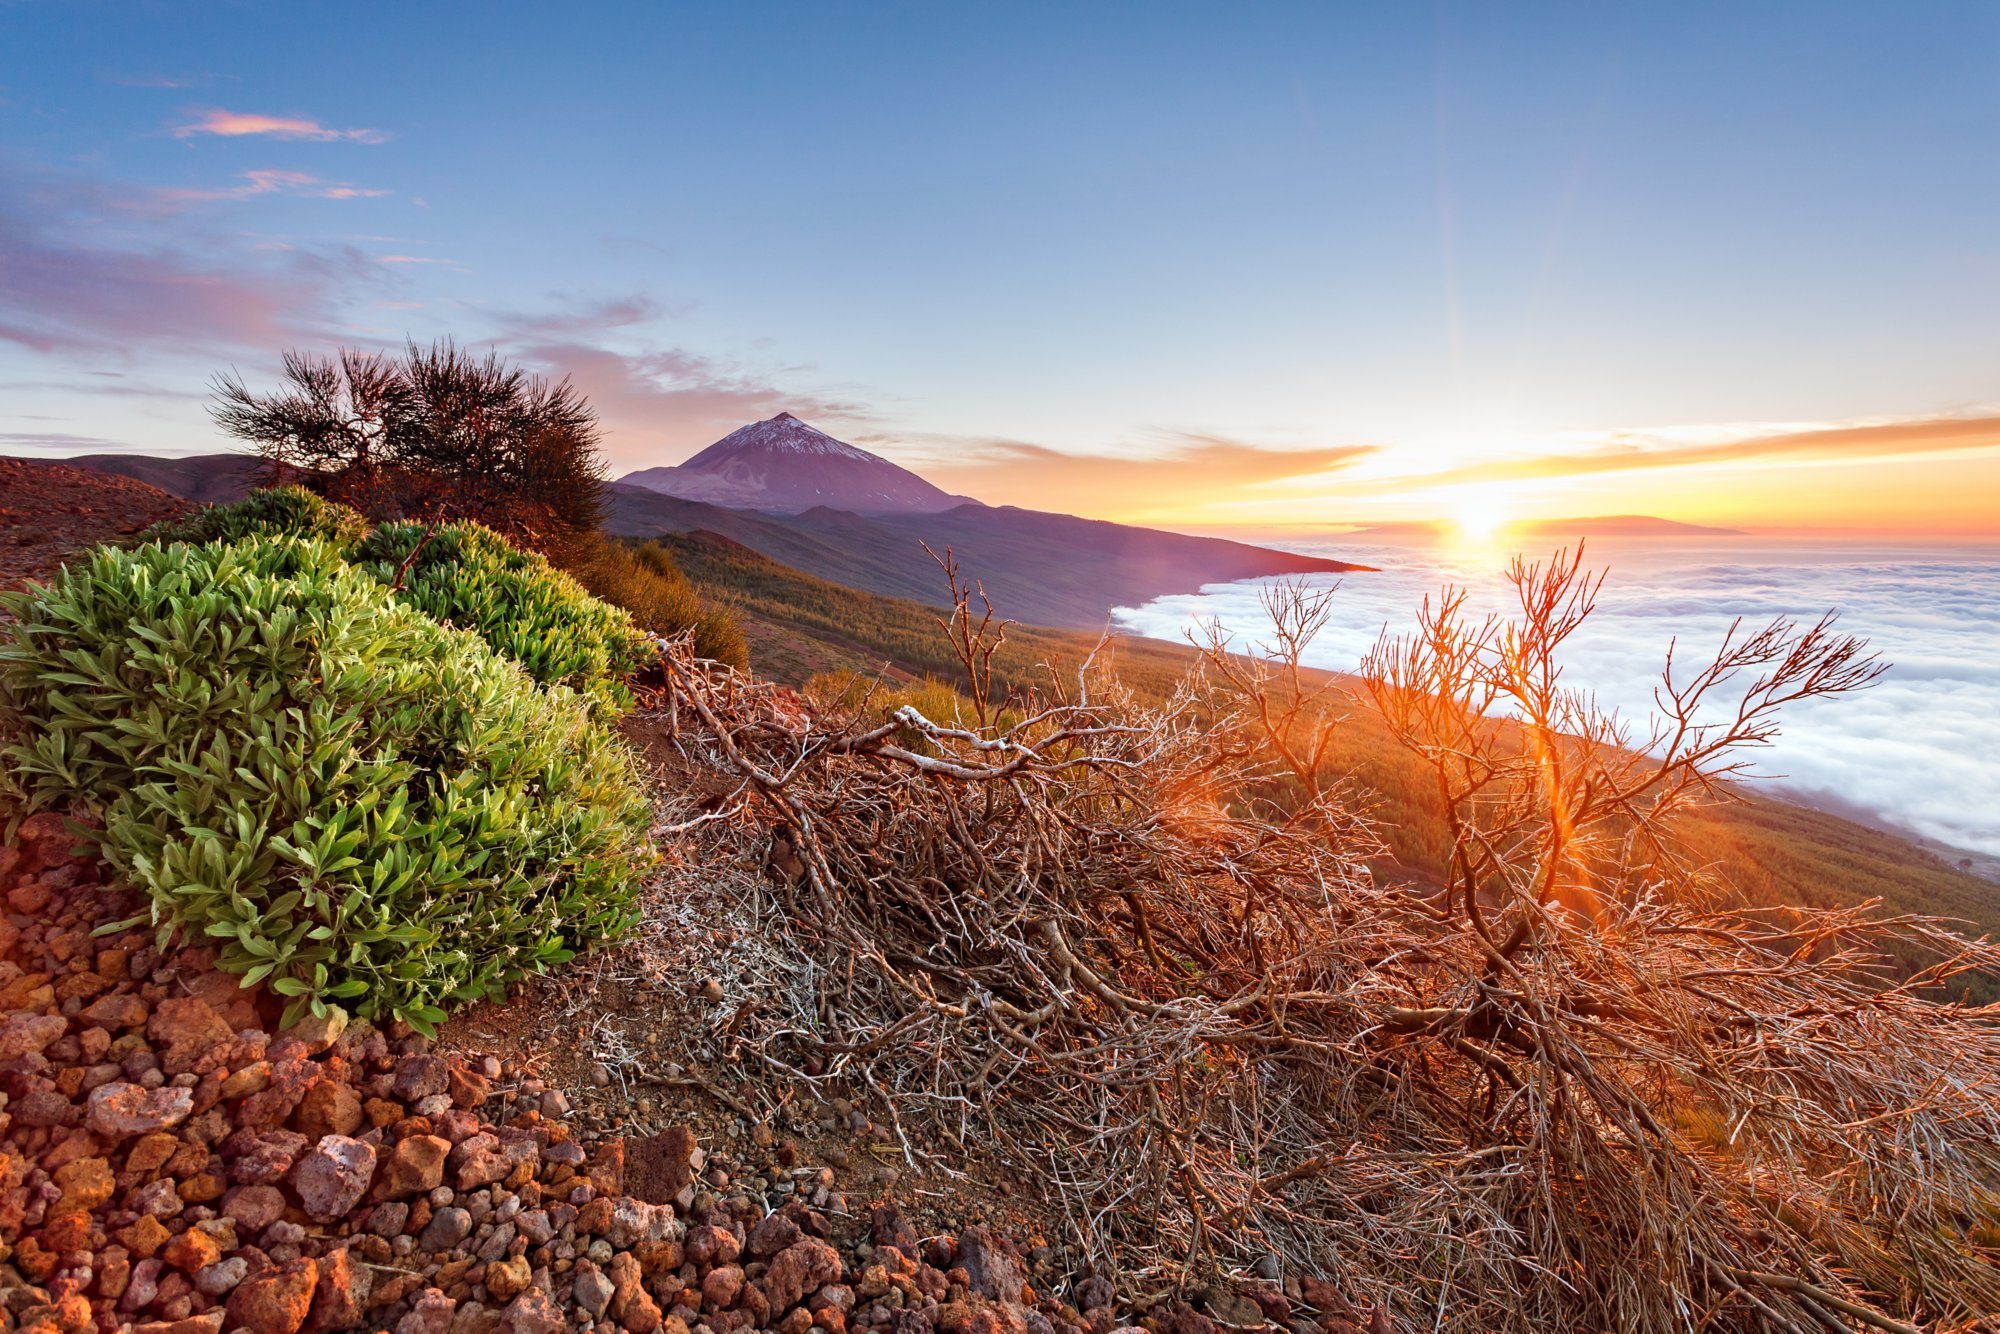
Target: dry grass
1134, 950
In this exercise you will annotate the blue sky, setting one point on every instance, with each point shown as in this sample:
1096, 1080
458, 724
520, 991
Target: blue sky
1309, 262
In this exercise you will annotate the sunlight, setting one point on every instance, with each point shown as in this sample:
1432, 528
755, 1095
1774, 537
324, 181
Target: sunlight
1479, 512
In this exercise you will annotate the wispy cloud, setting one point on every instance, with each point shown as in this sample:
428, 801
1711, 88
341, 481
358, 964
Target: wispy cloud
1632, 450
169, 81
1180, 469
97, 388
72, 279
272, 182
238, 124
659, 405
57, 441
572, 316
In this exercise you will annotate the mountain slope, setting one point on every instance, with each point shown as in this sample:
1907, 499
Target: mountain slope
785, 466
1047, 569
1770, 852
208, 479
799, 625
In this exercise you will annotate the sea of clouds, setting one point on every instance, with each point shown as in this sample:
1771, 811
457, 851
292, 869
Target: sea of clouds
1920, 749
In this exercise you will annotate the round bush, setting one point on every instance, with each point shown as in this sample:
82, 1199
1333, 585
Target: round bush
282, 511
471, 577
347, 798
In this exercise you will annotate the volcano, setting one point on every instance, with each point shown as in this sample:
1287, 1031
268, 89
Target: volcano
784, 466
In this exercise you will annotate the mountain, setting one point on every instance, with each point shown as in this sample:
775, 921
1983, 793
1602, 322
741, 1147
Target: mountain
209, 479
784, 466
1047, 569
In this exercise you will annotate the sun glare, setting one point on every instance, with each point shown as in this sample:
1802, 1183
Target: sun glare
1479, 513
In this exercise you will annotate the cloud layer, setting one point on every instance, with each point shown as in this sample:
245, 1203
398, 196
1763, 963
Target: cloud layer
1921, 749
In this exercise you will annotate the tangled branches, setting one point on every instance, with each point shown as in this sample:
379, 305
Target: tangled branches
1135, 949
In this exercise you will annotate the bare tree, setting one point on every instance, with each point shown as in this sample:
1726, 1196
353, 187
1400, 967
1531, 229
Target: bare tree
1569, 1093
436, 433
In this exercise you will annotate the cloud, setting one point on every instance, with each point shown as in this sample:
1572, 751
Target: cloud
575, 316
661, 406
1920, 749
158, 80
58, 441
1194, 469
99, 389
1636, 450
68, 285
658, 405
237, 124
272, 182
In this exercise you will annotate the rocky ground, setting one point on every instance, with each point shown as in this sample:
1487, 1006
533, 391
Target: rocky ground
167, 1163
170, 1163
48, 510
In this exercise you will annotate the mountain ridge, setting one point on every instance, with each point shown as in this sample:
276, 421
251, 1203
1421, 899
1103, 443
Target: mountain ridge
1046, 569
1042, 568
783, 465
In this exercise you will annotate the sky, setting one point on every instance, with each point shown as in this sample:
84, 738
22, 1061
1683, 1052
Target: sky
1197, 265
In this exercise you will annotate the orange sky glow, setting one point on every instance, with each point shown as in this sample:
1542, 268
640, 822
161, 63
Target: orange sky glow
1937, 475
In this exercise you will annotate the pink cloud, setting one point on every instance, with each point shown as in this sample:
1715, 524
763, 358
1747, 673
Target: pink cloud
658, 406
236, 124
66, 287
267, 182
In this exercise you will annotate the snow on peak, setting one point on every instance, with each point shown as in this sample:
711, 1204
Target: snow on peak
784, 434
784, 465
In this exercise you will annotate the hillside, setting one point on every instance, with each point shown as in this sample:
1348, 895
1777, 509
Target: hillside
208, 479
1771, 852
50, 511
800, 625
1047, 569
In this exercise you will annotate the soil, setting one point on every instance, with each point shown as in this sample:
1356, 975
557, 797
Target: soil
50, 510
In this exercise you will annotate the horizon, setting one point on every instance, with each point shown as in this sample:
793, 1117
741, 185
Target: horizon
1284, 270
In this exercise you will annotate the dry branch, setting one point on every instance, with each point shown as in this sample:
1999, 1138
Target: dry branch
1137, 952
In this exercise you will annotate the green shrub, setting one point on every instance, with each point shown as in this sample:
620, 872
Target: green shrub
472, 578
351, 800
282, 511
646, 582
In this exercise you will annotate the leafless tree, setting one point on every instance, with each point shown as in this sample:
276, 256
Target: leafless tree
436, 433
1570, 1092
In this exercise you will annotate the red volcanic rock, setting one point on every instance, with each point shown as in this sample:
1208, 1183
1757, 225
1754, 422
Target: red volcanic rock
253, 1208
333, 1175
330, 1107
121, 1009
120, 1110
340, 1298
188, 1029
27, 1034
798, 1270
277, 1301
414, 1166
262, 1160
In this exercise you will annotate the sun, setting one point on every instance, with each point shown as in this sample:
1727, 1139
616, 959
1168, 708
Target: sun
1479, 513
